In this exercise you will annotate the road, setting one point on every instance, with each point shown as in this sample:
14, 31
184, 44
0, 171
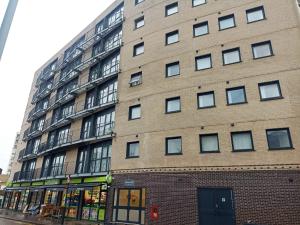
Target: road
12, 222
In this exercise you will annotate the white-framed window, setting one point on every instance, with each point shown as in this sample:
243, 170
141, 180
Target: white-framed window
270, 90
262, 49
132, 149
171, 9
236, 95
242, 141
173, 105
198, 2
138, 49
134, 112
139, 22
203, 62
209, 143
226, 22
173, 146
231, 56
200, 29
172, 37
279, 138
172, 69
255, 14
206, 100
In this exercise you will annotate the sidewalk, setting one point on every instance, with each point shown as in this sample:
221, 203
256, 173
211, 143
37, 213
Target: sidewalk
18, 216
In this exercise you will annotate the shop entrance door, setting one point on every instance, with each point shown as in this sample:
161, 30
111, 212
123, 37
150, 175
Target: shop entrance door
216, 206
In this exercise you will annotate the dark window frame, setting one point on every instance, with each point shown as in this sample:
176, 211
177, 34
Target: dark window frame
167, 7
135, 47
200, 25
203, 57
128, 150
268, 83
289, 137
130, 112
242, 132
231, 50
224, 18
137, 74
193, 5
169, 34
236, 88
137, 20
172, 64
207, 135
206, 93
170, 99
137, 2
256, 9
167, 145
261, 44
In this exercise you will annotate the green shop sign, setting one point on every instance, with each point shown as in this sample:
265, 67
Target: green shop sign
37, 183
72, 181
25, 184
16, 185
94, 180
52, 182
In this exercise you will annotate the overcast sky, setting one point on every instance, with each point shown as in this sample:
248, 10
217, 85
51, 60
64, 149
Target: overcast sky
40, 28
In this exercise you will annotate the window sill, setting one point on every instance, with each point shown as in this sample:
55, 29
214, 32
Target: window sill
166, 15
207, 107
227, 28
244, 150
134, 119
203, 69
132, 157
173, 112
257, 20
210, 152
240, 103
263, 57
194, 6
138, 54
170, 154
175, 75
281, 149
270, 99
172, 43
232, 63
195, 36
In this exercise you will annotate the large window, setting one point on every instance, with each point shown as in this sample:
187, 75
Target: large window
134, 112
231, 56
279, 138
242, 141
129, 205
236, 95
105, 122
255, 14
172, 37
132, 150
200, 29
203, 62
112, 41
171, 9
173, 146
59, 137
198, 2
206, 100
74, 50
173, 105
226, 22
138, 49
27, 170
269, 90
172, 69
109, 67
209, 143
115, 16
262, 49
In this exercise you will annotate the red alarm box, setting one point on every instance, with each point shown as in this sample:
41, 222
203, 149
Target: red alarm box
154, 212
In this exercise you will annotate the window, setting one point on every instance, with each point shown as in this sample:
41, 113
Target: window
171, 9
134, 112
200, 29
206, 100
203, 62
82, 161
261, 50
115, 16
198, 2
236, 95
138, 23
172, 69
269, 90
173, 146
138, 49
231, 56
135, 79
129, 206
173, 105
57, 166
138, 1
226, 22
105, 123
209, 143
255, 14
112, 41
100, 158
279, 139
172, 37
242, 141
132, 149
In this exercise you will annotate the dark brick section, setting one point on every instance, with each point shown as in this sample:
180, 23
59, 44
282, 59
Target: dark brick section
265, 197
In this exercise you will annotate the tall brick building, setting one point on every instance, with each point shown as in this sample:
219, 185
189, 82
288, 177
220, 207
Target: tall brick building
191, 106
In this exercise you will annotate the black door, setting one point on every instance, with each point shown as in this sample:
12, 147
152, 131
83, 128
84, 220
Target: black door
216, 206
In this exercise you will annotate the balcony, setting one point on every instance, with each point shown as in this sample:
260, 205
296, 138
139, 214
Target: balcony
29, 133
56, 122
21, 154
39, 94
37, 112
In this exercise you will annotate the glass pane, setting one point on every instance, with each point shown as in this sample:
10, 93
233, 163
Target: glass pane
201, 30
198, 2
262, 51
206, 100
174, 145
134, 198
236, 96
123, 197
255, 15
173, 105
139, 50
231, 57
134, 216
226, 23
135, 112
122, 215
133, 149
279, 139
242, 141
172, 38
143, 197
204, 63
269, 91
209, 143
173, 69
172, 10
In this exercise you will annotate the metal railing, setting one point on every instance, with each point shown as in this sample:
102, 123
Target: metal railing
39, 94
36, 112
29, 133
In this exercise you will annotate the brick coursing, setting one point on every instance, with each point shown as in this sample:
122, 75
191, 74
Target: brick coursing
265, 197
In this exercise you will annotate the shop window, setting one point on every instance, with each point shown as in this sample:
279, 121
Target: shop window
129, 206
72, 203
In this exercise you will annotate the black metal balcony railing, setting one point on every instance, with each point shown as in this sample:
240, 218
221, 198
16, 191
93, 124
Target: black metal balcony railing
91, 39
37, 112
39, 94
21, 154
33, 132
